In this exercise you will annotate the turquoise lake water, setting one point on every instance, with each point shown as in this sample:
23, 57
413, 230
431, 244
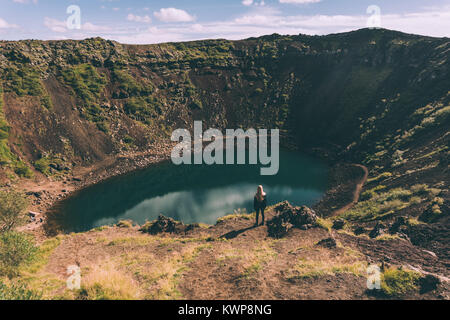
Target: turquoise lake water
192, 194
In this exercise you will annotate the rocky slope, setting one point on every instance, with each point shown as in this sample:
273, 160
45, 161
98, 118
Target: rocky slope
376, 98
75, 102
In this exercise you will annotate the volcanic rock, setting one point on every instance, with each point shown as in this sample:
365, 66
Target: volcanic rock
329, 243
338, 224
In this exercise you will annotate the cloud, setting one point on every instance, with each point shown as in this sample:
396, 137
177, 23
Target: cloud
259, 21
135, 18
6, 25
94, 28
173, 15
299, 1
55, 25
61, 26
25, 1
268, 20
249, 3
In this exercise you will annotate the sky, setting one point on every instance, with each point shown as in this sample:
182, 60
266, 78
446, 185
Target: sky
156, 21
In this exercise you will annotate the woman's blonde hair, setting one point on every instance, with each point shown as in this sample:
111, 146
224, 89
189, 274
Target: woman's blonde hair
260, 194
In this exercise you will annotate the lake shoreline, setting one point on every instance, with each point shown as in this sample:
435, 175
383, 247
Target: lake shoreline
46, 193
84, 177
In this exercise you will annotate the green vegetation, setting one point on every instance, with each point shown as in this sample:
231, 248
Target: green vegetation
22, 170
24, 81
107, 283
4, 128
324, 224
12, 206
143, 109
41, 256
94, 114
380, 205
238, 214
424, 190
42, 165
125, 224
88, 85
16, 249
252, 270
86, 82
46, 164
196, 105
46, 102
434, 211
382, 176
201, 53
18, 291
397, 282
7, 158
315, 269
128, 86
128, 140
369, 194
424, 119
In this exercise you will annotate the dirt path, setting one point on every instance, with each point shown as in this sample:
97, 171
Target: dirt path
356, 193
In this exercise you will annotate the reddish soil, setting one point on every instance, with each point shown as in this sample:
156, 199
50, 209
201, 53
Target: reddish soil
235, 260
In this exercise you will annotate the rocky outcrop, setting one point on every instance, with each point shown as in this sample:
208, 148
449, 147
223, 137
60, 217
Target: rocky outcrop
329, 243
399, 225
225, 83
289, 217
338, 224
167, 225
161, 225
378, 230
428, 283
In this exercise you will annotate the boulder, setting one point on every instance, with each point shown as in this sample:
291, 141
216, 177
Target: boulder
284, 208
161, 225
359, 230
378, 230
399, 225
278, 227
289, 217
303, 217
37, 194
431, 214
428, 283
297, 216
167, 225
329, 243
338, 224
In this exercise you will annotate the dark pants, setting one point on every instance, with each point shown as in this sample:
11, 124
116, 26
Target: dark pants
257, 215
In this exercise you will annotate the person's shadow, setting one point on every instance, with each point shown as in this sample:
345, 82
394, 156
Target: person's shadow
233, 234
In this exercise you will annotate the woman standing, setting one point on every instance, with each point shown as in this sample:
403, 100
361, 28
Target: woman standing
260, 203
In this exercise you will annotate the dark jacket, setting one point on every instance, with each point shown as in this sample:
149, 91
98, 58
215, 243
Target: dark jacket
260, 204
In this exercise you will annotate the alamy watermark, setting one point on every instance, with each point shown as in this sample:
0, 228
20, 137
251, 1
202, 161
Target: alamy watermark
74, 20
374, 21
73, 282
373, 277
190, 151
